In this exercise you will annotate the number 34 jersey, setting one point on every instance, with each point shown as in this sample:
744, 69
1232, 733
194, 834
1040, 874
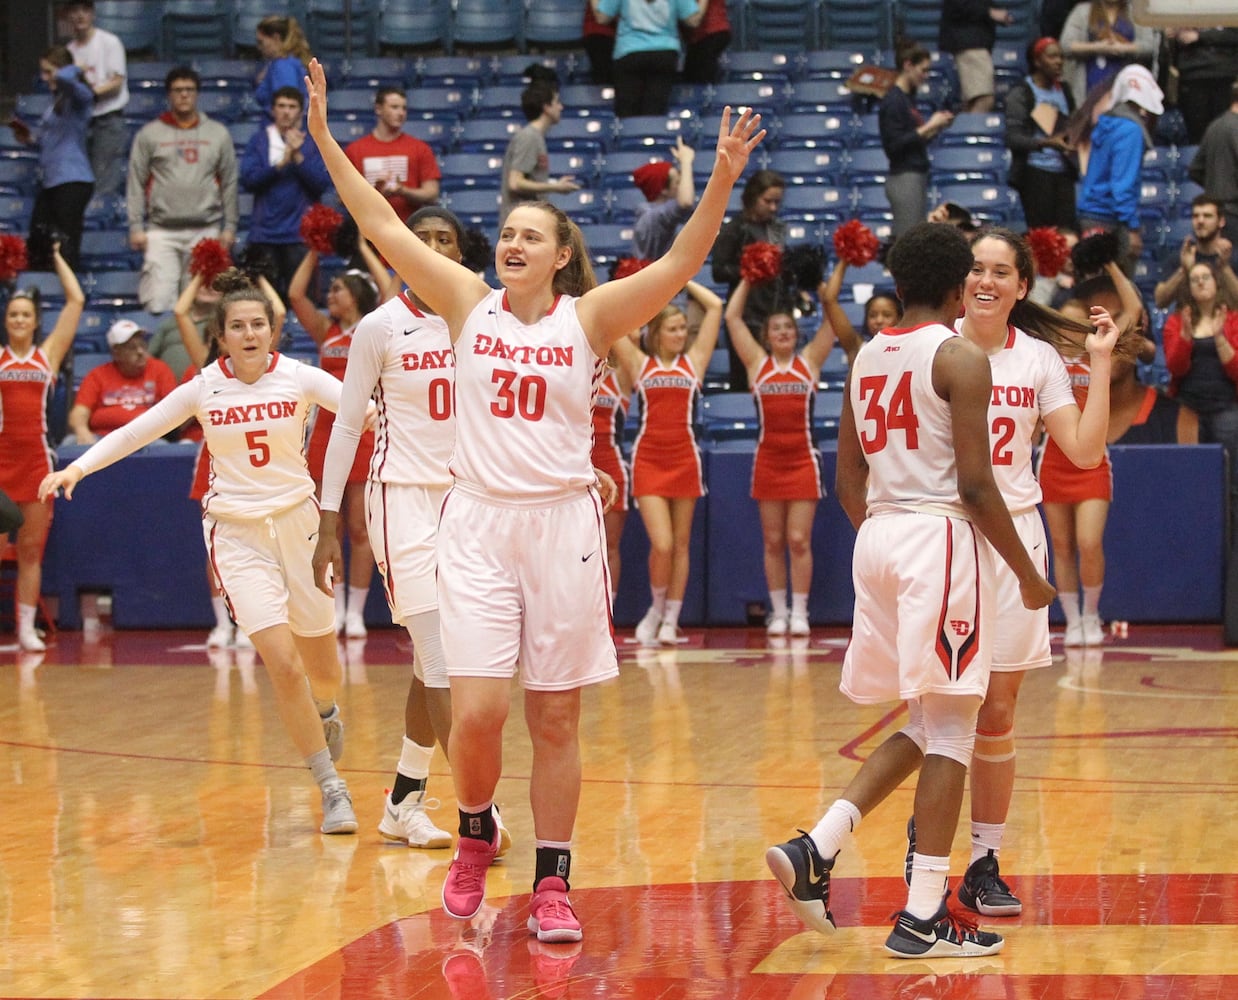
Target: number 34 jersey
524, 401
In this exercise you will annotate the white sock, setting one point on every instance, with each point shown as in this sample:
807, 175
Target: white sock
799, 605
1069, 600
414, 760
339, 602
670, 616
25, 618
220, 607
986, 837
778, 604
356, 600
1091, 601
833, 829
659, 600
928, 884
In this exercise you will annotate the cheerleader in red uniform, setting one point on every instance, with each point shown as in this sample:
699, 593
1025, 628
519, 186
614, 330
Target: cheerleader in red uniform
196, 335
666, 463
880, 311
349, 297
610, 410
27, 373
786, 474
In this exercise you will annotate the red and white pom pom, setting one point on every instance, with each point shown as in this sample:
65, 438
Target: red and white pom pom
318, 228
760, 262
13, 259
1049, 249
855, 243
630, 265
209, 258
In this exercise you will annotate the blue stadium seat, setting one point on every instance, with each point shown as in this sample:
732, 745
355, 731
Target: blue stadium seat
452, 71
968, 163
193, 28
105, 211
510, 68
808, 166
869, 198
726, 416
780, 25
475, 206
815, 203
609, 242
342, 32
18, 176
107, 250
769, 97
736, 65
415, 24
222, 104
15, 212
831, 64
585, 207
615, 168
551, 23
345, 130
51, 293
975, 127
595, 133
581, 99
217, 71
622, 202
91, 332
855, 24
811, 130
135, 22
351, 102
114, 289
827, 410
866, 165
470, 170
87, 361
653, 133
487, 24
819, 96
486, 135
439, 102
378, 71
986, 202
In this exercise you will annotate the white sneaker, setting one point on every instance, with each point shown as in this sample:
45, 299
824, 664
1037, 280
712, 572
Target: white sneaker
1093, 632
668, 634
409, 824
219, 637
337, 812
29, 640
776, 625
647, 629
1074, 634
505, 837
241, 641
799, 625
354, 626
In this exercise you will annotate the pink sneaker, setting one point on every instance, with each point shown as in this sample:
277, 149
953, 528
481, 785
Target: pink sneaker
464, 889
551, 916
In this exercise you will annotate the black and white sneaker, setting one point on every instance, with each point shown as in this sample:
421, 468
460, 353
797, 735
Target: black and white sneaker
943, 935
805, 876
983, 890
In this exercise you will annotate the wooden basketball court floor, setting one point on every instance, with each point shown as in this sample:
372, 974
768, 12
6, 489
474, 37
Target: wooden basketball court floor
160, 836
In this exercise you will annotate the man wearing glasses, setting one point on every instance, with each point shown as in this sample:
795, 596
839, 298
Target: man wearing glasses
181, 189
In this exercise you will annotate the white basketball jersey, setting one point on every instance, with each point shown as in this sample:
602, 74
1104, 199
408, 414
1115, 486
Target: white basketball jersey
402, 359
1029, 381
524, 399
904, 427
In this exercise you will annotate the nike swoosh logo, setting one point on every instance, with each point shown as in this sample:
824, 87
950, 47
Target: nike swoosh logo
816, 871
491, 313
413, 330
216, 392
588, 557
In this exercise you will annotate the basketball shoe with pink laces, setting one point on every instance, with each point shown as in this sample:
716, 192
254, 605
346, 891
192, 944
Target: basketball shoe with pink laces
464, 890
551, 916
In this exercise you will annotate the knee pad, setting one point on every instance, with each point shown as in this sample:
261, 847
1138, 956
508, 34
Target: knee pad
914, 730
995, 748
950, 724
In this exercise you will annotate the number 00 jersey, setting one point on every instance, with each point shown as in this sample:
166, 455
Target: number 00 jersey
903, 425
524, 398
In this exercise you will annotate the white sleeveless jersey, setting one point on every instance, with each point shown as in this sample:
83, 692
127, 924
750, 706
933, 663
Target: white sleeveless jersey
255, 433
402, 359
1029, 381
903, 425
524, 398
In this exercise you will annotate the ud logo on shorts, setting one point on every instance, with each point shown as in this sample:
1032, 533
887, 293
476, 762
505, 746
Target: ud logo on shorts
960, 626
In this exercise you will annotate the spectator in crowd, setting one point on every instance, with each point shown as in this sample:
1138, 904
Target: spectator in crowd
101, 57
757, 222
905, 136
281, 167
28, 370
1099, 38
1201, 353
169, 344
1215, 165
704, 44
1206, 244
286, 55
399, 165
646, 50
599, 44
1207, 64
1109, 194
526, 162
115, 392
968, 31
181, 189
1042, 168
64, 168
881, 310
670, 195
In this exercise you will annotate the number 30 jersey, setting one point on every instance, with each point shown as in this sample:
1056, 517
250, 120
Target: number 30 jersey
904, 427
524, 401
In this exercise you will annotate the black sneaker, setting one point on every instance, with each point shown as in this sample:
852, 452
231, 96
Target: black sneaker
805, 876
943, 935
983, 890
911, 849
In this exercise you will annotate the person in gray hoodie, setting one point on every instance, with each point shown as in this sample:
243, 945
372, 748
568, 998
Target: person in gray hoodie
181, 189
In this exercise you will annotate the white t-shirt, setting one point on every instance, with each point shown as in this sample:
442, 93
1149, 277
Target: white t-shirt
402, 359
102, 58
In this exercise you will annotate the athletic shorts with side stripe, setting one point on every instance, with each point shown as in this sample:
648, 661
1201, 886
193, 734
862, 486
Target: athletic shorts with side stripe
525, 585
402, 522
1021, 640
265, 569
923, 585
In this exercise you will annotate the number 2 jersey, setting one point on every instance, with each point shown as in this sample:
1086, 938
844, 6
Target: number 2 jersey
524, 396
255, 434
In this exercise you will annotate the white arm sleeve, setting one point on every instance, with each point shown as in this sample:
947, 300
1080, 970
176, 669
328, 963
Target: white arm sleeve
361, 376
165, 416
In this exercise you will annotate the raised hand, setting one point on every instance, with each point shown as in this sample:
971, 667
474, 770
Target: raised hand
316, 87
1104, 333
735, 143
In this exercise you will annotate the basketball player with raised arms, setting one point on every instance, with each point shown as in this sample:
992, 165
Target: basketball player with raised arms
259, 517
915, 478
523, 580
